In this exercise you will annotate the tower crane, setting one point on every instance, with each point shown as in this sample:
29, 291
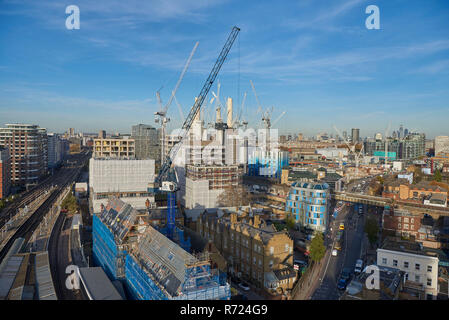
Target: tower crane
166, 178
161, 115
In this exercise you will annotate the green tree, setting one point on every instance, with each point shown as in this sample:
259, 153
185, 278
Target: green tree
70, 203
437, 176
317, 248
290, 221
371, 229
279, 226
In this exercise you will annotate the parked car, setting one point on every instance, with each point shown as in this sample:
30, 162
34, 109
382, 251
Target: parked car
346, 273
342, 283
334, 252
358, 266
244, 286
345, 277
342, 226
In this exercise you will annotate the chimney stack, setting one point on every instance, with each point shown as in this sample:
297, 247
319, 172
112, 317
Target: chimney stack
233, 218
229, 115
256, 220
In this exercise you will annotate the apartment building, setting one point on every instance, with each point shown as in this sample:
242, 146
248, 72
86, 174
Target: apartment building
147, 144
114, 148
27, 145
254, 251
407, 148
401, 223
5, 172
308, 202
57, 149
420, 264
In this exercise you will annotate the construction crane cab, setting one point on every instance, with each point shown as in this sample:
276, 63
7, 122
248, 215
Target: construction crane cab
169, 186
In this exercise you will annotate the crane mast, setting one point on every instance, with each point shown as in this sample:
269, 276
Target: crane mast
163, 175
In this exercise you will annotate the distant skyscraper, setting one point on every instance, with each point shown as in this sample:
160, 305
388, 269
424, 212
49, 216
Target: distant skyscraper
406, 132
345, 135
401, 132
71, 132
355, 135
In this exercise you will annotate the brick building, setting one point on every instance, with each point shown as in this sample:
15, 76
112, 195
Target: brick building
401, 223
401, 189
254, 250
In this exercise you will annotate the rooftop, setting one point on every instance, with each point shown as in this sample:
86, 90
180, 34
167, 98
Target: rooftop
407, 247
98, 285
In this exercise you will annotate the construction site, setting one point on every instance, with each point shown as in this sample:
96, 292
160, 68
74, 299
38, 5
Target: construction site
149, 264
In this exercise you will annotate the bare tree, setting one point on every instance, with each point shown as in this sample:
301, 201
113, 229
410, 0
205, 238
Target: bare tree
234, 197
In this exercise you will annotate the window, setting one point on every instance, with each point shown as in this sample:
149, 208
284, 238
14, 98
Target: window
406, 226
271, 250
416, 278
395, 263
405, 220
254, 260
429, 268
384, 260
417, 266
286, 247
429, 282
405, 264
271, 264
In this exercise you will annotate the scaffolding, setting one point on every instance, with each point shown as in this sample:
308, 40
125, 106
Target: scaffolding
159, 269
154, 267
106, 253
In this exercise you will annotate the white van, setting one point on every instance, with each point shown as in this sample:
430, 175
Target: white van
358, 266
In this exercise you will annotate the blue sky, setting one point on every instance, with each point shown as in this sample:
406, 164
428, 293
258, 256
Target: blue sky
315, 60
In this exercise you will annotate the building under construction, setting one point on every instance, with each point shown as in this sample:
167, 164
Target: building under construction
205, 183
267, 164
152, 266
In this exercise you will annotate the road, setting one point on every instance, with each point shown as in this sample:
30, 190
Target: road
346, 258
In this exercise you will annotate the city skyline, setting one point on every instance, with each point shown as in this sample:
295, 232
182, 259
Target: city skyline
319, 63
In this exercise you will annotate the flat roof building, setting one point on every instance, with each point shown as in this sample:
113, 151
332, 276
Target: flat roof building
114, 148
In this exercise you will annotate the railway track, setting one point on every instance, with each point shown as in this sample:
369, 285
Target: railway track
66, 177
26, 229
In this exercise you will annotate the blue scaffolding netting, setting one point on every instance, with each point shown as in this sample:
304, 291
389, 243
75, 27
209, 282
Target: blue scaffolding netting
157, 268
